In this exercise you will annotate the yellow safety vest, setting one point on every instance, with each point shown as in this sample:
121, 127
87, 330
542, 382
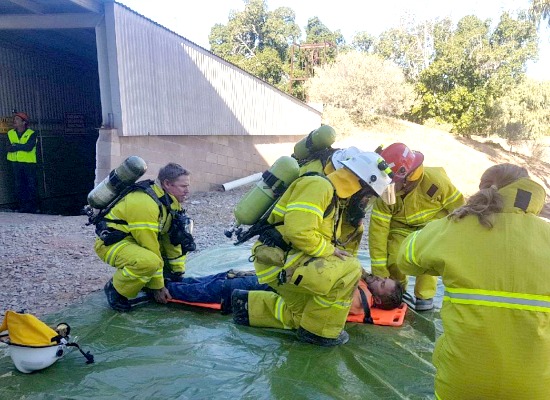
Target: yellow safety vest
21, 156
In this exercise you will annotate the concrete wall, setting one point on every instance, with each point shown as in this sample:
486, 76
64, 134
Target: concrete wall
212, 160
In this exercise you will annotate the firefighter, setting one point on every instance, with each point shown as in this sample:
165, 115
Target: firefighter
22, 157
137, 238
301, 259
492, 255
423, 194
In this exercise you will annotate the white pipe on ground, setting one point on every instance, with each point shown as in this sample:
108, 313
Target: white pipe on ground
243, 181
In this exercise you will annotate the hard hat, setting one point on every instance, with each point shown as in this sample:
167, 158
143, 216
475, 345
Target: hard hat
33, 345
30, 359
343, 154
402, 160
370, 168
21, 115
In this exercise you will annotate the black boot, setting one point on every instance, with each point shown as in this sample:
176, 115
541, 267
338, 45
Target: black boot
308, 337
239, 304
117, 301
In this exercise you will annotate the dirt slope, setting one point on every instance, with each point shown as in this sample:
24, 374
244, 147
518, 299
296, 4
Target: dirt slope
464, 159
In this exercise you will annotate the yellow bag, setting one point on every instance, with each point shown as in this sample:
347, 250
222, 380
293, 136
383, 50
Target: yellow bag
33, 345
27, 330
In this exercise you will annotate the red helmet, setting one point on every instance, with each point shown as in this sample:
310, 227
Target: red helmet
402, 160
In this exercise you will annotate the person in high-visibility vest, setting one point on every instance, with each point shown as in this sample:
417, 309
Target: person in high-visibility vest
22, 157
493, 257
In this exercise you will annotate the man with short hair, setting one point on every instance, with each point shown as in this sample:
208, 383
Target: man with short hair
137, 239
22, 157
386, 293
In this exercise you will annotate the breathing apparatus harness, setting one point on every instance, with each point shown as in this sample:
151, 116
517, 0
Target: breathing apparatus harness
266, 232
180, 232
323, 156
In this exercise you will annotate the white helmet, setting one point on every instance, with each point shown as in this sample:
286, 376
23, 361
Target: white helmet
373, 170
343, 154
29, 359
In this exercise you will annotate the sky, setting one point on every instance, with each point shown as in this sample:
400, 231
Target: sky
193, 19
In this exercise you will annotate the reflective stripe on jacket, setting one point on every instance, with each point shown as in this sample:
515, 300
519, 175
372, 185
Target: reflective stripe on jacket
21, 155
496, 307
147, 225
434, 197
301, 209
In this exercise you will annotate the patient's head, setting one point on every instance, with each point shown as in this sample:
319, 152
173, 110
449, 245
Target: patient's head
387, 293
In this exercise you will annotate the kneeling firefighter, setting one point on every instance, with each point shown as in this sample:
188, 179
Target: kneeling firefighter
300, 257
143, 233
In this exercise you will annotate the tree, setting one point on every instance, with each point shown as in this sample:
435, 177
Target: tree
363, 42
524, 111
410, 47
363, 85
257, 40
540, 10
472, 68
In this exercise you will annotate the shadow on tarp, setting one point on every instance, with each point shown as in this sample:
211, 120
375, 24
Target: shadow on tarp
182, 352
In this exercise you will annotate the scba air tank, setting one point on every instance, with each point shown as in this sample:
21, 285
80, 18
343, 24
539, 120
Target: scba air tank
119, 179
274, 182
319, 139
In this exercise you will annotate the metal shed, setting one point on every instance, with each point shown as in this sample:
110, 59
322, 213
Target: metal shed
102, 82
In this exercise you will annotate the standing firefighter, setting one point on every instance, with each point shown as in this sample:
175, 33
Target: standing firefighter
423, 194
138, 237
493, 256
301, 258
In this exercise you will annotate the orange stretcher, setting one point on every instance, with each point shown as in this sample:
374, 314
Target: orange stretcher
377, 316
214, 306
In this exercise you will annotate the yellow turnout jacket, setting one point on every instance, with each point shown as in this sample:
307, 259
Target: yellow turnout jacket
496, 308
148, 226
434, 197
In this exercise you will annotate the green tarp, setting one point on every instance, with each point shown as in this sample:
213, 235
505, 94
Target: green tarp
182, 352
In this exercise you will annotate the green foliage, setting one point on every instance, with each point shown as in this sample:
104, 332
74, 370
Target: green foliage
363, 85
408, 47
524, 113
363, 42
540, 11
472, 68
317, 32
256, 39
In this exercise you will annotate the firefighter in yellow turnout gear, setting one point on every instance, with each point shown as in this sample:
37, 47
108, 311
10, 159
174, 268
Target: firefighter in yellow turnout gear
352, 223
139, 226
301, 259
423, 194
493, 256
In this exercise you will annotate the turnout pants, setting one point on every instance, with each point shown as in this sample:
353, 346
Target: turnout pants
136, 267
317, 297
